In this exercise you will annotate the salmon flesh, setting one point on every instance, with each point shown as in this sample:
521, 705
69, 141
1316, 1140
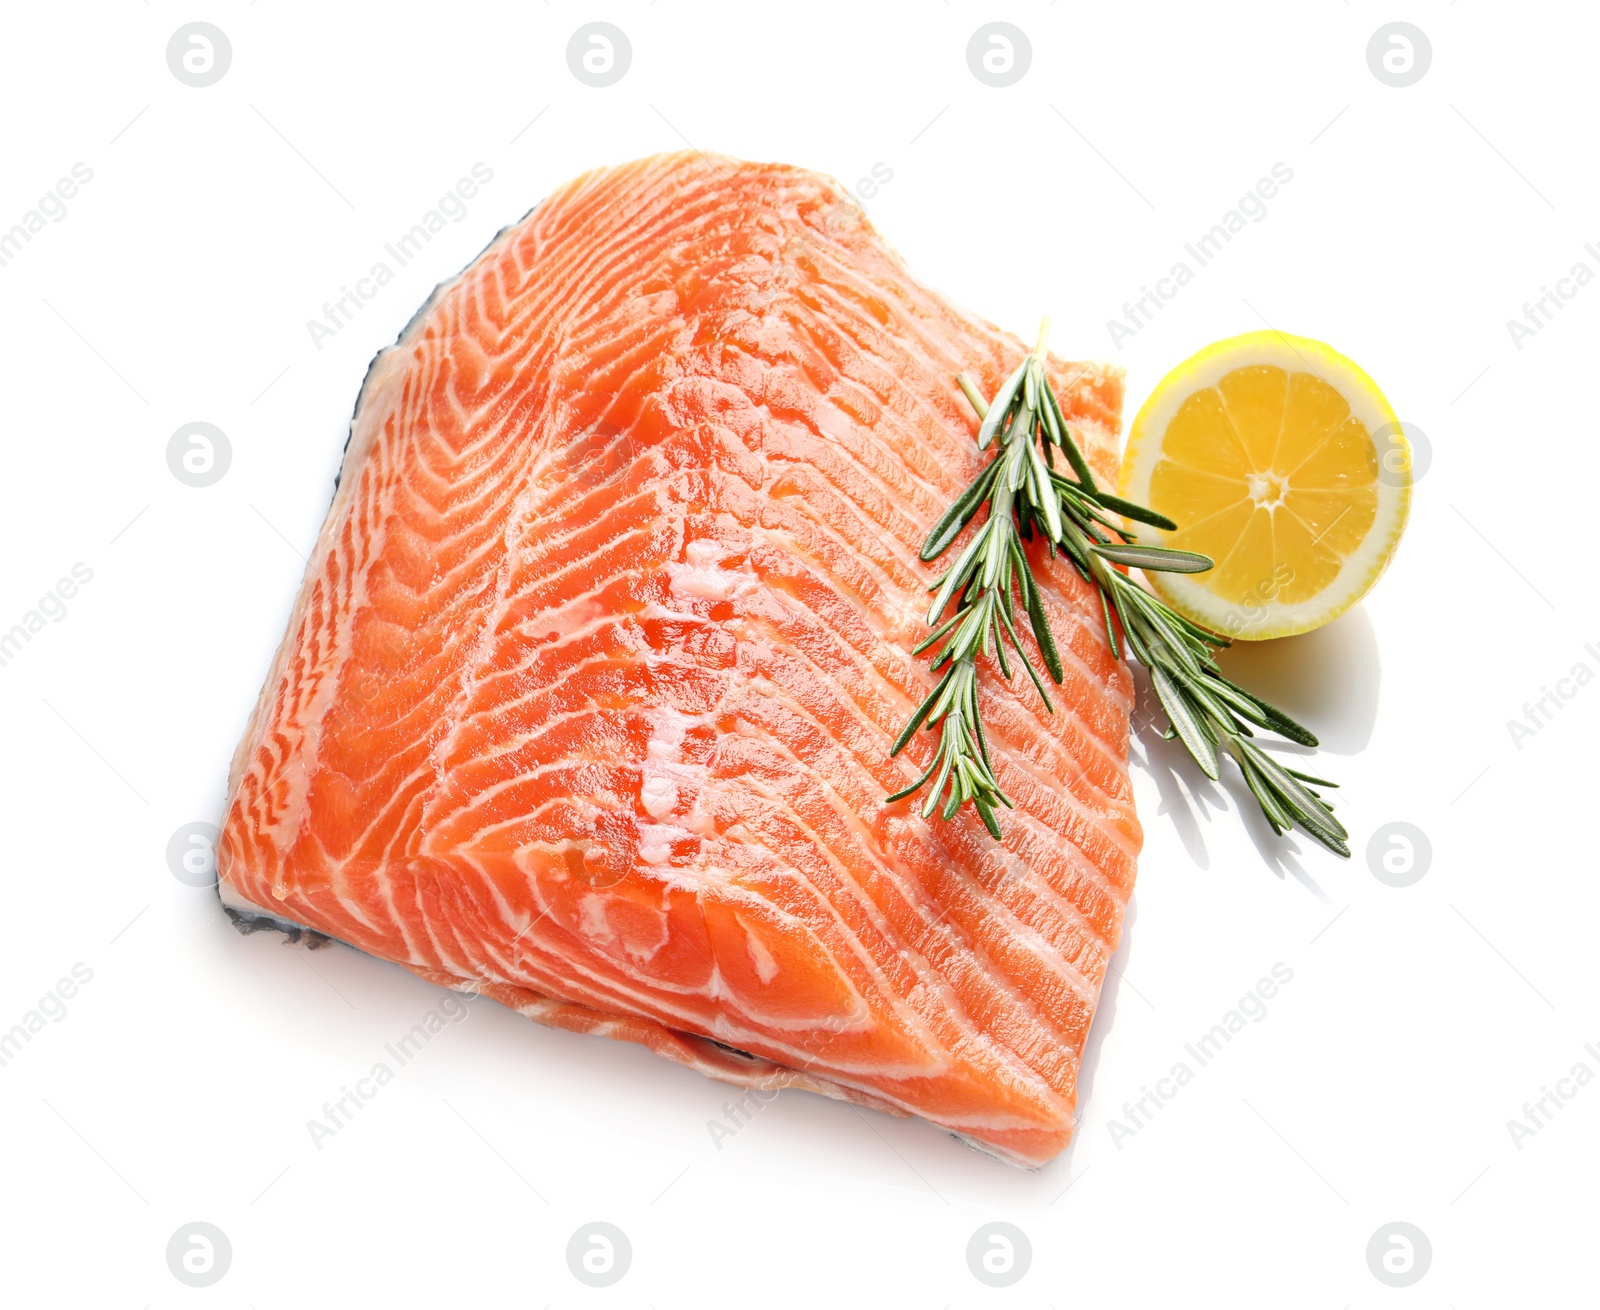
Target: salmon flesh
587, 698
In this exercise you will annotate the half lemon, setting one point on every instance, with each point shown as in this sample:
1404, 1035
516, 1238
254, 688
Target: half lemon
1280, 459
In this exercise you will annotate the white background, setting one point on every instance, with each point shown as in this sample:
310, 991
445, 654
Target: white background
1419, 1020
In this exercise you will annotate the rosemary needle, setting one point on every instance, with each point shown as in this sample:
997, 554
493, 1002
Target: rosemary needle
976, 603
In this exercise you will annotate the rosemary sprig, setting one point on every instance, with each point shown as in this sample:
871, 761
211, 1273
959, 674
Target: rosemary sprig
991, 579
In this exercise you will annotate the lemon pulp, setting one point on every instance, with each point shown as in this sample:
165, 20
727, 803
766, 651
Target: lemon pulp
1283, 462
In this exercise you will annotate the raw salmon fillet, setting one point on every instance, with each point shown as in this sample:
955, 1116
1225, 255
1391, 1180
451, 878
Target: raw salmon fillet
587, 698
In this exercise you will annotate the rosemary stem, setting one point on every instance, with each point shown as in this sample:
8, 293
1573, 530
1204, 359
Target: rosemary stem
1024, 496
974, 397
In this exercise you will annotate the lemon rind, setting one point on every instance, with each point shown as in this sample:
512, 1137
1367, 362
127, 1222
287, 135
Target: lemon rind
1360, 570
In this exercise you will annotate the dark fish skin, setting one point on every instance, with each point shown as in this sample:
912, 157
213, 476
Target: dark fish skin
292, 932
411, 323
731, 1050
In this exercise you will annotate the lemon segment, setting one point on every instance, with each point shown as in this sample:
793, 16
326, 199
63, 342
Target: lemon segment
1281, 460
